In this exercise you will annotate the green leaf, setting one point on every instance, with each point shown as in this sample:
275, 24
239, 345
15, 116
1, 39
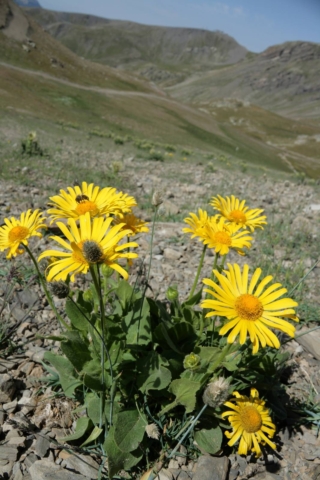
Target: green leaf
124, 293
67, 375
83, 424
185, 391
154, 375
93, 436
208, 355
117, 459
136, 324
129, 430
92, 403
209, 440
193, 300
77, 315
76, 349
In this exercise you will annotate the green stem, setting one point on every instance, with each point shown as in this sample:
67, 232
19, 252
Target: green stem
221, 357
151, 248
303, 278
46, 291
195, 283
94, 270
187, 432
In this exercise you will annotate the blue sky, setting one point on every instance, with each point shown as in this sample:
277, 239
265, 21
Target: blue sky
255, 24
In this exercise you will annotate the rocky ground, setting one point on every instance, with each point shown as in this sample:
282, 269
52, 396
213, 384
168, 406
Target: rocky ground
33, 418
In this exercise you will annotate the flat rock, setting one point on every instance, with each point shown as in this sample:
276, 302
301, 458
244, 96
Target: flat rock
211, 468
46, 470
310, 341
82, 464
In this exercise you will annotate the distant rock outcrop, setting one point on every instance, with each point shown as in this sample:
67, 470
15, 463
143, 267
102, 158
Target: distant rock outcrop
28, 3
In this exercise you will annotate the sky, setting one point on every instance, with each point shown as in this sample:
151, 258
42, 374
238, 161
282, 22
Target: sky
255, 24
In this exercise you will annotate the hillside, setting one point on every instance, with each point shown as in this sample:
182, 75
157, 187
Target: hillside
28, 3
162, 54
24, 43
62, 92
284, 78
197, 66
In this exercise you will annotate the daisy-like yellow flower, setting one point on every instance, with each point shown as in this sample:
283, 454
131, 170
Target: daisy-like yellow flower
235, 211
16, 232
89, 198
221, 236
94, 241
250, 421
250, 309
132, 223
196, 223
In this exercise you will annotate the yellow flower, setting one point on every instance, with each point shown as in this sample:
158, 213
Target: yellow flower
15, 231
236, 212
132, 223
250, 309
89, 198
251, 421
196, 222
94, 241
221, 236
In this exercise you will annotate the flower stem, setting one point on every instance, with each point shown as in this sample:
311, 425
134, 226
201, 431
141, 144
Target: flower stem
187, 432
46, 291
195, 283
94, 270
151, 247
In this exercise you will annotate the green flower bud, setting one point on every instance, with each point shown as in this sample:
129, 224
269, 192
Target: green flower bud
92, 251
191, 361
106, 270
88, 296
172, 293
59, 289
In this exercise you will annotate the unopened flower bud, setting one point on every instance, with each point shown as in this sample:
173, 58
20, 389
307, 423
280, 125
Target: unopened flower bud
88, 295
106, 270
216, 393
191, 361
92, 251
152, 431
157, 199
59, 289
172, 293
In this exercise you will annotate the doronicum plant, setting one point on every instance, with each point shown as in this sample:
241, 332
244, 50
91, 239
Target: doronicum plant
156, 374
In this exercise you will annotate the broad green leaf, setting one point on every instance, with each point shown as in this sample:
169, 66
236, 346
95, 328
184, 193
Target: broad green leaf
117, 459
92, 403
154, 375
124, 293
209, 440
180, 337
93, 436
129, 430
77, 315
67, 375
76, 349
185, 391
208, 355
83, 424
136, 324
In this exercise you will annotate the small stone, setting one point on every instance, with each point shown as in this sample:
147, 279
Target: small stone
7, 388
211, 468
8, 452
10, 406
42, 445
171, 254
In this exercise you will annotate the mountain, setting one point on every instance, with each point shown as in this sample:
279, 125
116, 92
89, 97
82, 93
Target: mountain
46, 87
162, 54
197, 66
284, 78
28, 3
